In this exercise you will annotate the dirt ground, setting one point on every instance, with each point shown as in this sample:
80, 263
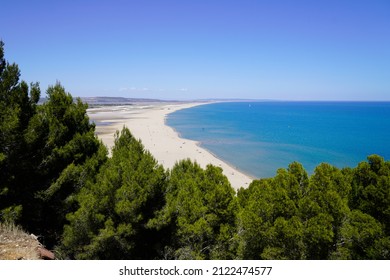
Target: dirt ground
16, 244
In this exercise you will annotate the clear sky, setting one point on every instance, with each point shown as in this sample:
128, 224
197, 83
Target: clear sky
265, 49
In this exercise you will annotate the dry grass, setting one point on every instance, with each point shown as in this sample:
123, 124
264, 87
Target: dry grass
15, 244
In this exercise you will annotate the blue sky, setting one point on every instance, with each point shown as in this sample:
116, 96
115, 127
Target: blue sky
293, 50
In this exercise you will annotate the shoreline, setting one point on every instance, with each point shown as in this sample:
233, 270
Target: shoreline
147, 122
210, 152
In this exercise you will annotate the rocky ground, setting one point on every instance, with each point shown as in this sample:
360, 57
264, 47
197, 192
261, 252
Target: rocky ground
15, 244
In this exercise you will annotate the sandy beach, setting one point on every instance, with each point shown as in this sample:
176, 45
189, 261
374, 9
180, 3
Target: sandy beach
147, 123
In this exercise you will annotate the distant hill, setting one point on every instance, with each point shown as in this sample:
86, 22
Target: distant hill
107, 100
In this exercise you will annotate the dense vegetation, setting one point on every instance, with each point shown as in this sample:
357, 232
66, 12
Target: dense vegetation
57, 181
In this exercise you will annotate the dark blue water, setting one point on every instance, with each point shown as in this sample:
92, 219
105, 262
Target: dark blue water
260, 137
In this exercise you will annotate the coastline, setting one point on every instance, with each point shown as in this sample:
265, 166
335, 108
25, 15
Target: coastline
147, 123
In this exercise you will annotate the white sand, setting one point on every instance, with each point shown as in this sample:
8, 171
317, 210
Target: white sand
147, 123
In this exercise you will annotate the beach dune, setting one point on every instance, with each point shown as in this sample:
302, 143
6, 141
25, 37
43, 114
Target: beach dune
147, 123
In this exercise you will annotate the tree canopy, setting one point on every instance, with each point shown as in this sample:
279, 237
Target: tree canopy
111, 221
47, 152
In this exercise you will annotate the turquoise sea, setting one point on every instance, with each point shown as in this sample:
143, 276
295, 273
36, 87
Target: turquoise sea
260, 137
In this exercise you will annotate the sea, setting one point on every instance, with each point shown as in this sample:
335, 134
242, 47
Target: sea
258, 138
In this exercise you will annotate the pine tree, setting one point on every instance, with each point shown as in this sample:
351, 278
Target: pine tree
47, 152
199, 215
111, 222
18, 104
